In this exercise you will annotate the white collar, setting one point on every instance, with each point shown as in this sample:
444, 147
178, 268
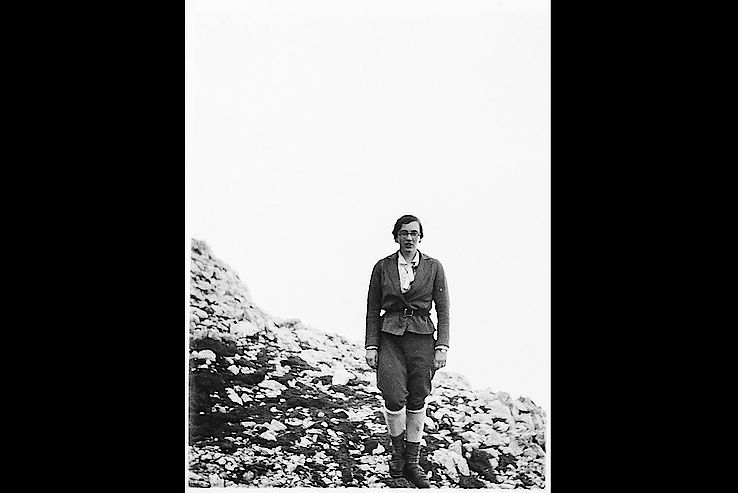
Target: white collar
401, 260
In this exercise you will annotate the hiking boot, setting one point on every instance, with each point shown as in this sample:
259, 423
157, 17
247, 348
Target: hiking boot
397, 461
413, 472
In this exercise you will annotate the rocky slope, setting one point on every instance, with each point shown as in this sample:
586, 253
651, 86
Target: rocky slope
273, 403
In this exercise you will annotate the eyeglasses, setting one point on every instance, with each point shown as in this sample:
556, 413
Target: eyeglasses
404, 234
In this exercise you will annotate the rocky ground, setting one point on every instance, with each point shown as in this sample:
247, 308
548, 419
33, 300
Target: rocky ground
273, 403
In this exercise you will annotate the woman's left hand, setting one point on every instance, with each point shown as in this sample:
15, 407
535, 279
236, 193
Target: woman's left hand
440, 360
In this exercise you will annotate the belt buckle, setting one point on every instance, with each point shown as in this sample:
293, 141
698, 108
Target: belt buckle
407, 313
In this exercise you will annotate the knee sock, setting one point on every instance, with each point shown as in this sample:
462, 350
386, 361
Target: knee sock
415, 424
395, 421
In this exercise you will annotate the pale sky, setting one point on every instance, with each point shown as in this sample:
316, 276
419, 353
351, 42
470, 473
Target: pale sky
311, 127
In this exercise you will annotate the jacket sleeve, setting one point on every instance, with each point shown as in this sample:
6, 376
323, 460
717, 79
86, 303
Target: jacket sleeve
374, 306
441, 300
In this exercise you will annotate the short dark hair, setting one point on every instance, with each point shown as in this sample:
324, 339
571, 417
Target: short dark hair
407, 218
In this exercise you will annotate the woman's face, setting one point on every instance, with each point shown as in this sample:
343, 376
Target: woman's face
408, 237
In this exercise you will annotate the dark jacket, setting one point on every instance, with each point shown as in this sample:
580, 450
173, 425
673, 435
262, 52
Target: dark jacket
428, 287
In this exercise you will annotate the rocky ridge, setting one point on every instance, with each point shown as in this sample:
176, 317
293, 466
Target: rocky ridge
274, 403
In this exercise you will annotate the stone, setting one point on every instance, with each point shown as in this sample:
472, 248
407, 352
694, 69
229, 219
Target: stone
268, 435
215, 481
341, 376
205, 354
272, 385
493, 439
277, 426
461, 465
201, 314
455, 447
520, 406
314, 357
244, 328
451, 462
235, 398
514, 447
499, 410
535, 450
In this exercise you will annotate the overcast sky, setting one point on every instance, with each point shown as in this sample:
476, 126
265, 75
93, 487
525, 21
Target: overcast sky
312, 126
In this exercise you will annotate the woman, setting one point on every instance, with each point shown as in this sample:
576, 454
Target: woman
400, 343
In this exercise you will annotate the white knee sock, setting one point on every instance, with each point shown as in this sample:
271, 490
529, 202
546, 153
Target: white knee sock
395, 421
415, 424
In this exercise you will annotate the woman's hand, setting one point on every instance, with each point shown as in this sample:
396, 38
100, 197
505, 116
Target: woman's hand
371, 358
440, 360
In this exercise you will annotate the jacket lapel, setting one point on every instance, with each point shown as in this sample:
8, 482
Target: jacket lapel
394, 274
420, 274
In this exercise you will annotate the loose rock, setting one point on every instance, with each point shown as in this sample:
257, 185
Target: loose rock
276, 403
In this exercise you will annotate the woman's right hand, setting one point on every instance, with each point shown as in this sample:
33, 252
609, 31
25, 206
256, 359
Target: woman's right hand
371, 358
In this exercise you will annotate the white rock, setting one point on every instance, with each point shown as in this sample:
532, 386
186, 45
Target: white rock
462, 465
455, 447
272, 385
205, 354
528, 420
499, 410
519, 405
341, 376
514, 447
312, 338
215, 481
268, 435
234, 369
201, 314
482, 430
235, 398
379, 450
535, 450
495, 439
277, 426
446, 460
501, 426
